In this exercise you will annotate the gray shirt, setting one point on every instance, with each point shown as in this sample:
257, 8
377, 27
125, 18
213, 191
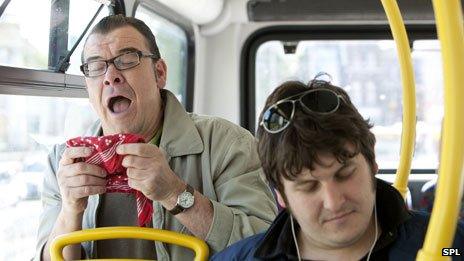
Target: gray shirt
120, 209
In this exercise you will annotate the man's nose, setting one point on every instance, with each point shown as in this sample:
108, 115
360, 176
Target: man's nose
333, 196
113, 76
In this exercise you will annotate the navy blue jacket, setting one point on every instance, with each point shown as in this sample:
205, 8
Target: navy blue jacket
403, 234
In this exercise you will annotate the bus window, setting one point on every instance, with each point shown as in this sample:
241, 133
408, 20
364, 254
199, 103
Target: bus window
80, 13
172, 43
369, 72
26, 32
429, 94
25, 27
29, 127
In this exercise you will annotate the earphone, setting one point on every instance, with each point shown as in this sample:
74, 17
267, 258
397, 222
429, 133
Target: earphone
370, 251
294, 238
376, 232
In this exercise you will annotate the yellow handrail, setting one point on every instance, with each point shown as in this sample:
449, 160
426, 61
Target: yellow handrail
197, 245
409, 94
442, 226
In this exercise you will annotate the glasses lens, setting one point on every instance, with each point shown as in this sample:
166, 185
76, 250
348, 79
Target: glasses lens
278, 116
96, 68
126, 61
320, 101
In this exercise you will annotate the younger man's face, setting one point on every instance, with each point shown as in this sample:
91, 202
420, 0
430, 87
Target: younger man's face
333, 204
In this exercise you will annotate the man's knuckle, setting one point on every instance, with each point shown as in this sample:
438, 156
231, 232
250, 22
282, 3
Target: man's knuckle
129, 160
146, 150
140, 150
130, 172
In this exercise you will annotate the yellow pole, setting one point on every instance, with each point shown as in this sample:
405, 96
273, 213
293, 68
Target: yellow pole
409, 94
442, 226
197, 245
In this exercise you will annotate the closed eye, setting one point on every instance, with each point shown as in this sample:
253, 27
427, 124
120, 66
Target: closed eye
345, 174
308, 186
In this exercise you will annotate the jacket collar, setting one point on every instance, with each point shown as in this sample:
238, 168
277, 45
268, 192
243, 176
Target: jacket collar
278, 241
179, 137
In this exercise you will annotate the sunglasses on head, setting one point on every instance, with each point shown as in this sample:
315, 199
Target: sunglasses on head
319, 101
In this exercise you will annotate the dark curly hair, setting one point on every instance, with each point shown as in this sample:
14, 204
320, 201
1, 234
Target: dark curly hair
285, 154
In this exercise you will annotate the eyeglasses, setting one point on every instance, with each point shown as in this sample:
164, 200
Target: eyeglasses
121, 62
279, 115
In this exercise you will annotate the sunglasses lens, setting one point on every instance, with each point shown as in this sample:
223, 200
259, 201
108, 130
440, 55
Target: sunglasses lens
278, 116
321, 101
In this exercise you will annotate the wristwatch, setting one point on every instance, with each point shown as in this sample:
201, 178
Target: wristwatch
185, 200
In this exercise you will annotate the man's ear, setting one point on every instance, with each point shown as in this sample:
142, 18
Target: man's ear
280, 199
376, 168
161, 71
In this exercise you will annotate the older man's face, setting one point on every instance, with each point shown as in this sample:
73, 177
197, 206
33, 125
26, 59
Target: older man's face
126, 101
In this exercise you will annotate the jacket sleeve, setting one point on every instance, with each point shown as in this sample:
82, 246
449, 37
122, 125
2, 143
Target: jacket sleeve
241, 251
51, 201
245, 204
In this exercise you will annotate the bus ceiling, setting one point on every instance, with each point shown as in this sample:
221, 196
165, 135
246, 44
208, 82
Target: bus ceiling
335, 10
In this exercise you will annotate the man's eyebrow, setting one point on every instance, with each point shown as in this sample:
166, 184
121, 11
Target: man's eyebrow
121, 51
93, 58
347, 164
127, 50
304, 182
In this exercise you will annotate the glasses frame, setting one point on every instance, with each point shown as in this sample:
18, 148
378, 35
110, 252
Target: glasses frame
140, 55
305, 108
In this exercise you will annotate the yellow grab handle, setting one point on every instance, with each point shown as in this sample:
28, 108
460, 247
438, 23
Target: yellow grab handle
442, 226
409, 95
197, 245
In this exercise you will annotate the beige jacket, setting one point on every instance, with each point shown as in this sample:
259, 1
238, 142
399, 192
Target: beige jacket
214, 156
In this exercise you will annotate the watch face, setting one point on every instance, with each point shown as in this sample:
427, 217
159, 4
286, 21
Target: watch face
186, 200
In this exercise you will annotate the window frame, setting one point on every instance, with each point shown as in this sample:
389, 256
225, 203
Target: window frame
21, 81
312, 32
184, 24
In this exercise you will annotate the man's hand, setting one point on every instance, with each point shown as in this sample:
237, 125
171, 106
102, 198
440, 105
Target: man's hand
77, 181
149, 172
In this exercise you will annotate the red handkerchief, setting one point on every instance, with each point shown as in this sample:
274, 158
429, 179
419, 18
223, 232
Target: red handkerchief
104, 155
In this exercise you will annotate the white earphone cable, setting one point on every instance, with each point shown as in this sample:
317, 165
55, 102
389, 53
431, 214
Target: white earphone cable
294, 238
376, 233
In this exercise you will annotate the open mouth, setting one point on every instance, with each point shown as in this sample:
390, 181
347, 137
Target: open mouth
119, 104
